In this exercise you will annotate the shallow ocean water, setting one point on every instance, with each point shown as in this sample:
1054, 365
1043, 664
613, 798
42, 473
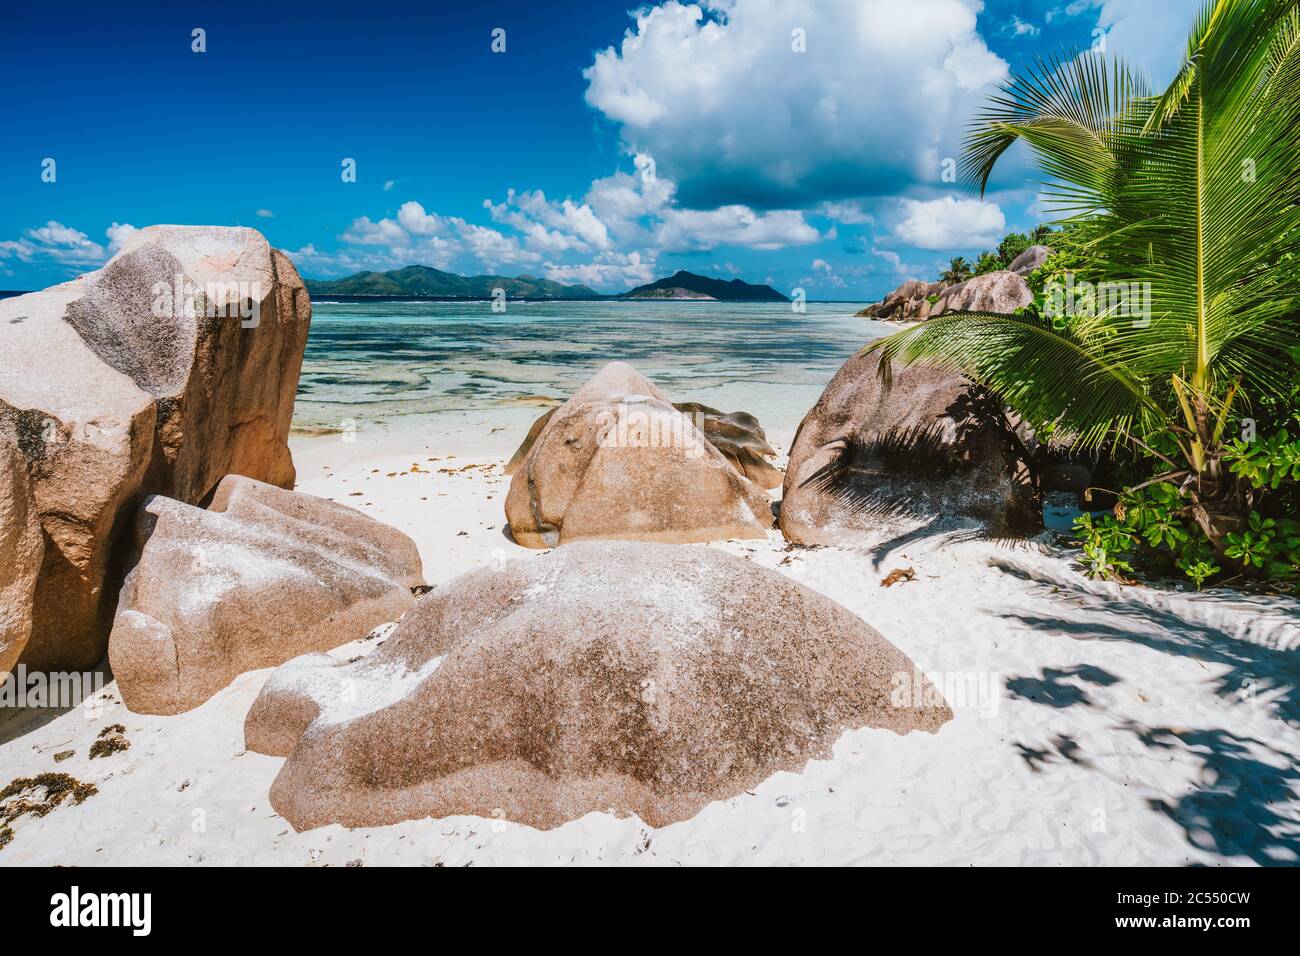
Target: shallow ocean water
388, 363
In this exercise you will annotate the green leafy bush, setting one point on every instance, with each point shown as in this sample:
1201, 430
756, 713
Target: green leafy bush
1108, 544
1267, 463
1151, 531
1268, 545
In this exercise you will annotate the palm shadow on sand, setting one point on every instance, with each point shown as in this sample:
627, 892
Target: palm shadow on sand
1061, 688
1239, 808
1254, 667
1213, 815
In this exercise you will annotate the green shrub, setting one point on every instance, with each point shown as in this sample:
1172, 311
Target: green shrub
1152, 532
1012, 246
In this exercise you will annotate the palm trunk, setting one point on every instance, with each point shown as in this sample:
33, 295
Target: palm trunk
1220, 505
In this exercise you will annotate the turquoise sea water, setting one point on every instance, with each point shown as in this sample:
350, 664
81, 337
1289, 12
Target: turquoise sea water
388, 361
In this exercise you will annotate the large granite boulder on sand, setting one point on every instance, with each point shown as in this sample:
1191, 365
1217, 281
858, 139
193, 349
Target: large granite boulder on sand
21, 550
738, 435
740, 438
873, 460
631, 677
619, 461
530, 439
263, 575
174, 365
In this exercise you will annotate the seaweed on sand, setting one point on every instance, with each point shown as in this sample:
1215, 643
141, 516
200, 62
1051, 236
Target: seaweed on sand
38, 796
111, 741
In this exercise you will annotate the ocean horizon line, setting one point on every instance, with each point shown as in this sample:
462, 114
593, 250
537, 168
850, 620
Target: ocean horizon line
353, 298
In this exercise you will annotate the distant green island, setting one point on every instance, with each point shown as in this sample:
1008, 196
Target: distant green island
427, 282
688, 285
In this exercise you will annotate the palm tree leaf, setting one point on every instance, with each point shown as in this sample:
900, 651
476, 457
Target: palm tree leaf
1188, 204
1044, 374
1066, 110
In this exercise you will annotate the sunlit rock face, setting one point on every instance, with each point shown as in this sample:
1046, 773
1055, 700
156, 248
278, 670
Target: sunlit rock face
639, 678
171, 367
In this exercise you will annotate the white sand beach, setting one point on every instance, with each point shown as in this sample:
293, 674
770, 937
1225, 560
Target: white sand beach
1095, 723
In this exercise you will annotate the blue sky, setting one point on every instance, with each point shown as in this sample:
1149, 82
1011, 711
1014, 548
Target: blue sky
601, 146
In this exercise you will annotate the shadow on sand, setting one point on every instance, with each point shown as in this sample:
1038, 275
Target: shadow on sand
1060, 688
1243, 806
1235, 811
18, 721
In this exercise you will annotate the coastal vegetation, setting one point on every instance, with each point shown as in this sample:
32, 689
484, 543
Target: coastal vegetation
1008, 250
1166, 328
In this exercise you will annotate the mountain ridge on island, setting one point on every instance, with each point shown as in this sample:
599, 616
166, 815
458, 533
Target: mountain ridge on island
429, 283
688, 285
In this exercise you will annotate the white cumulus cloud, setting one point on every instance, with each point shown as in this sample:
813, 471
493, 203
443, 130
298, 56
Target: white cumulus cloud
608, 270
720, 96
65, 245
950, 223
691, 229
619, 228
417, 237
552, 227
1153, 36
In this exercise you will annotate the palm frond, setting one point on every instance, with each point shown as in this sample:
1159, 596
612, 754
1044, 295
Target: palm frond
1066, 109
1046, 375
1240, 30
1218, 184
1180, 90
1188, 204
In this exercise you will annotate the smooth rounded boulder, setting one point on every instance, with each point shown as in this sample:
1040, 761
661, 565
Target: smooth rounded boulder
260, 577
618, 461
875, 459
171, 367
630, 677
738, 435
1031, 260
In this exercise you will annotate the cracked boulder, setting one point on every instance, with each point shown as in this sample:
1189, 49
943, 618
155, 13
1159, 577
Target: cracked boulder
171, 367
1003, 292
259, 577
740, 438
910, 302
626, 677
